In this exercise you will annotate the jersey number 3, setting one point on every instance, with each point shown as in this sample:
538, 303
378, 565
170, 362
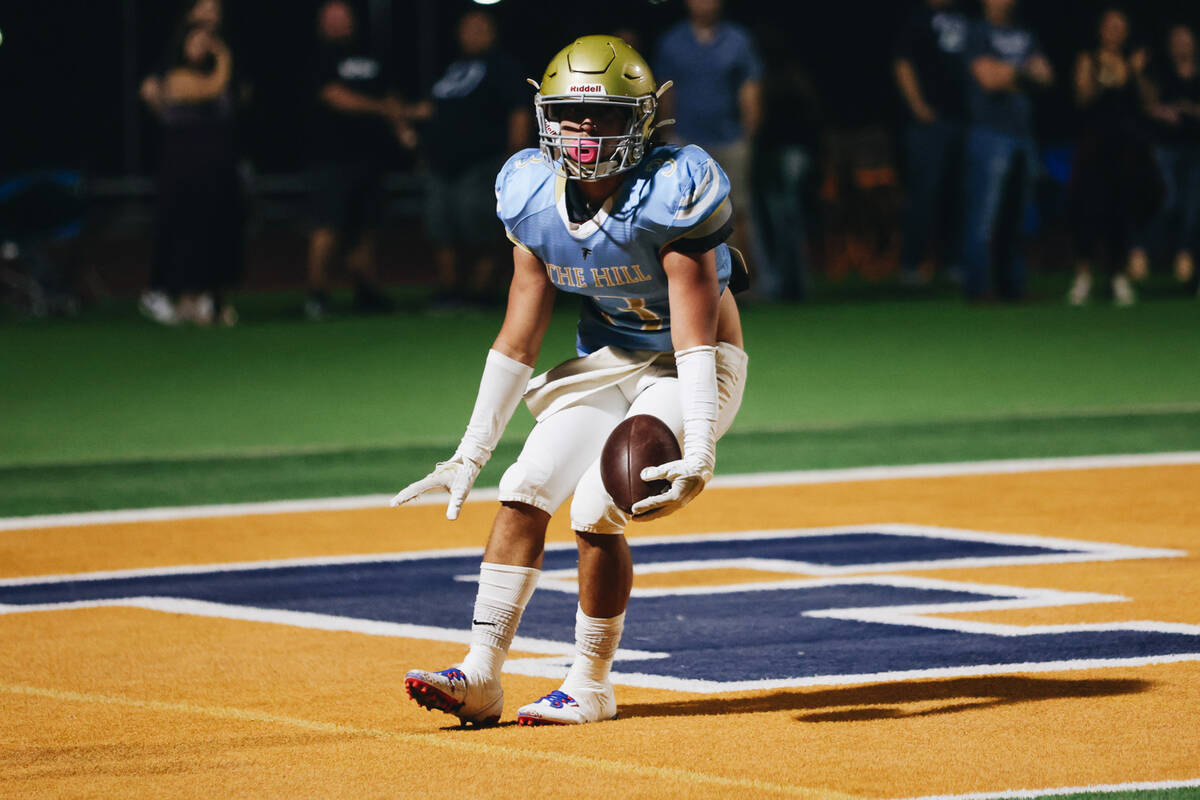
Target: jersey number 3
637, 306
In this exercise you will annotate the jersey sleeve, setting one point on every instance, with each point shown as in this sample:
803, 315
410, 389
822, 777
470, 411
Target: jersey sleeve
512, 193
700, 210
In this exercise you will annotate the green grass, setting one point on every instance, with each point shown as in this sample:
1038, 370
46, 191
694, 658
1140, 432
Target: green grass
1186, 793
111, 411
378, 470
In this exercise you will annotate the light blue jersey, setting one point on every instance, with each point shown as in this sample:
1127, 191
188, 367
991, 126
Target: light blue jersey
677, 195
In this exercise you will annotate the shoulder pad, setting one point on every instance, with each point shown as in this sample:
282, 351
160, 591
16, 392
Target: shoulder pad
518, 182
702, 183
689, 192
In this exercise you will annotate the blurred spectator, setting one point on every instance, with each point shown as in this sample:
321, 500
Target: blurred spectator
785, 154
717, 97
157, 301
630, 37
199, 234
1115, 187
41, 216
1173, 99
861, 203
931, 76
208, 13
463, 155
1004, 62
352, 127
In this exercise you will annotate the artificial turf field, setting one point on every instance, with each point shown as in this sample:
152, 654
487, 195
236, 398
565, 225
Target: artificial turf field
222, 676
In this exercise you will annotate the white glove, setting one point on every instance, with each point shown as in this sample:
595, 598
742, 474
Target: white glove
500, 390
455, 476
689, 475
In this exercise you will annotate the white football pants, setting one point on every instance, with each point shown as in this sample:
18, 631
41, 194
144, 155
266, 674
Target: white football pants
562, 453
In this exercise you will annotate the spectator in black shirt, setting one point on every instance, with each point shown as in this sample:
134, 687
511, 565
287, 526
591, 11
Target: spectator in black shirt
931, 76
198, 248
1173, 98
198, 243
477, 116
354, 121
1115, 186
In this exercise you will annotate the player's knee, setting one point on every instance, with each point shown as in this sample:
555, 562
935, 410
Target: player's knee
592, 510
527, 482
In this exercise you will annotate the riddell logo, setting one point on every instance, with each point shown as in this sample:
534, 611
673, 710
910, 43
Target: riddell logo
587, 88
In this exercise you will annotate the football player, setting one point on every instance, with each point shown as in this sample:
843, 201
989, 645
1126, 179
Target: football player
639, 231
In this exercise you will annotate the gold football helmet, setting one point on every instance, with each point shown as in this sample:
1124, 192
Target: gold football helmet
605, 72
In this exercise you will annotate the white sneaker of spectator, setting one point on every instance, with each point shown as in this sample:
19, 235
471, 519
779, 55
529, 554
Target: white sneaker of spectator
1123, 294
1081, 287
158, 307
196, 309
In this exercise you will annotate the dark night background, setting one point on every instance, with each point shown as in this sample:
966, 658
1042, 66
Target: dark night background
69, 80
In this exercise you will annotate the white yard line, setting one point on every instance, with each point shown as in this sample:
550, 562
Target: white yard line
1066, 790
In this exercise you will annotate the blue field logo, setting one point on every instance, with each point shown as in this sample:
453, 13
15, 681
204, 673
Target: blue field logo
842, 613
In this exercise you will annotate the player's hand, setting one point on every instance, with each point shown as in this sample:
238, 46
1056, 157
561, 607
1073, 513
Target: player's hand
455, 476
688, 478
1168, 114
924, 113
1139, 60
392, 108
1039, 69
406, 135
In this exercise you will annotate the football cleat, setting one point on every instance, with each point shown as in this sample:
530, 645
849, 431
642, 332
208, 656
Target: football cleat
576, 708
473, 702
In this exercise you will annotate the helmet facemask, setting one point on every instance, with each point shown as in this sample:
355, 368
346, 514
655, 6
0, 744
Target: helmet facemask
589, 157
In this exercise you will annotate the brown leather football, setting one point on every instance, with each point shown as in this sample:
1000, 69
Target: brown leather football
640, 441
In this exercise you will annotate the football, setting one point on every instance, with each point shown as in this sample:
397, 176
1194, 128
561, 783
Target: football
640, 441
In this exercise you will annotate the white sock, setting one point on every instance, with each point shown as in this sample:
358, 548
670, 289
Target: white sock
504, 591
596, 642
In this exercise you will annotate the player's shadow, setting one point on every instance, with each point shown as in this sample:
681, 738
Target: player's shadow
896, 700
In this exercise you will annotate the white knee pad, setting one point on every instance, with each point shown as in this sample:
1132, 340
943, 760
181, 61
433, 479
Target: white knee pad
592, 510
526, 481
558, 451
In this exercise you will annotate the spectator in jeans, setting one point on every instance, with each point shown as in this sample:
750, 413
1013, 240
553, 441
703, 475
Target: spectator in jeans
717, 96
1115, 186
1004, 62
354, 123
930, 74
1173, 98
463, 157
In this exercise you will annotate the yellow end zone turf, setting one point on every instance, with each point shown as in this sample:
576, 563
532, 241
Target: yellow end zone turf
128, 702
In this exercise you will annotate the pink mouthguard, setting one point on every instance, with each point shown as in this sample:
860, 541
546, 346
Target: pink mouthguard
586, 152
